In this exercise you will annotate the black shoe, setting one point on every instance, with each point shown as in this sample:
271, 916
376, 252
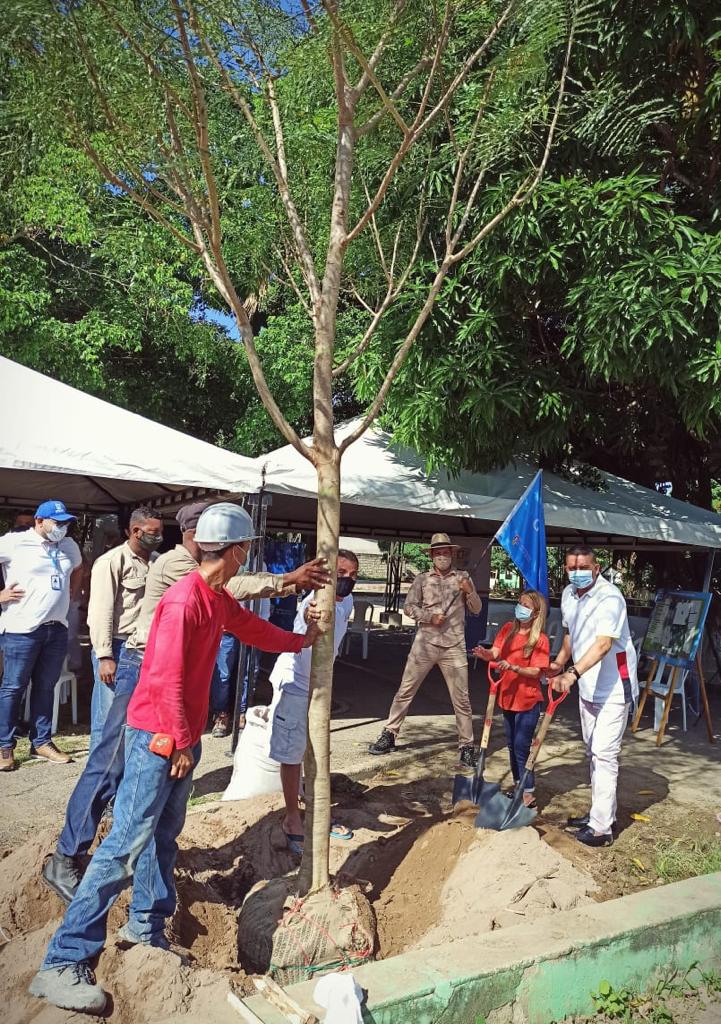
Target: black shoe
581, 822
385, 744
468, 757
589, 838
62, 874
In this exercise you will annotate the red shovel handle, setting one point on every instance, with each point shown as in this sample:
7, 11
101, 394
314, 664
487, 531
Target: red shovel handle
494, 683
553, 703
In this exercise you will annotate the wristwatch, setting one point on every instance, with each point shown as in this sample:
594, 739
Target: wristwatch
575, 671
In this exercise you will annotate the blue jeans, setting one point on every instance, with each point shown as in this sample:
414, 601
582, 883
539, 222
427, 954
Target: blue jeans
103, 694
142, 844
36, 657
520, 727
224, 673
103, 770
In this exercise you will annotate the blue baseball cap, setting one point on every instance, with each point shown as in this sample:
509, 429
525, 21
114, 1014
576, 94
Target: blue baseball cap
53, 510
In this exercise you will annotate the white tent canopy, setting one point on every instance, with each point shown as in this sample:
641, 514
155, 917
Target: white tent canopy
57, 442
386, 491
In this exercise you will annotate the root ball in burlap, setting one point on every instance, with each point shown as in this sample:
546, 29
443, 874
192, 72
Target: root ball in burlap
294, 938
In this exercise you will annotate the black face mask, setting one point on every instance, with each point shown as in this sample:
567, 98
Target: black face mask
150, 541
344, 586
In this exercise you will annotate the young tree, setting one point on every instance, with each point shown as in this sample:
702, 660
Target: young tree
329, 124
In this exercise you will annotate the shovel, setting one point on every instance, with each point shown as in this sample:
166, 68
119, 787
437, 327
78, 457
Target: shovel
515, 814
474, 789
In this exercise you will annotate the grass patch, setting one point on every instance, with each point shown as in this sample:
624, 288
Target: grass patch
206, 798
686, 857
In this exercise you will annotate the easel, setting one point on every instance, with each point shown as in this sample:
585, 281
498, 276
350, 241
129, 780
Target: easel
655, 678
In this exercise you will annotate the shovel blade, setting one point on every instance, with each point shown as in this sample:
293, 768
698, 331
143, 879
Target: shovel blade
468, 789
521, 817
492, 811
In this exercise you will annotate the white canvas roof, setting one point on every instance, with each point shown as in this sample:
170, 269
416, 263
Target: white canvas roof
386, 492
57, 442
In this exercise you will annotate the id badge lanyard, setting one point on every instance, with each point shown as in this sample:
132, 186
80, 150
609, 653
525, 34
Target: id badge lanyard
56, 578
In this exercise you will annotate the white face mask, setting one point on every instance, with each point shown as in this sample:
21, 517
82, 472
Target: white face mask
442, 562
56, 533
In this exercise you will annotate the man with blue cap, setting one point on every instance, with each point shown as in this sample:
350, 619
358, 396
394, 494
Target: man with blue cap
39, 566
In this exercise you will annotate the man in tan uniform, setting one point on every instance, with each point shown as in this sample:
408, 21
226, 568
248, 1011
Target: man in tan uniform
440, 611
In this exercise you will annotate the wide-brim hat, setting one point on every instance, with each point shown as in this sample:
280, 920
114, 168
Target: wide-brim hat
442, 540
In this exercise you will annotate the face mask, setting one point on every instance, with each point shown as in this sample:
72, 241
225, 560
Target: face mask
242, 565
442, 562
580, 578
522, 613
344, 586
56, 533
150, 541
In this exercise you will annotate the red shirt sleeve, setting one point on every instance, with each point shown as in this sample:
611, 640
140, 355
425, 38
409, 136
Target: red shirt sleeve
541, 653
256, 632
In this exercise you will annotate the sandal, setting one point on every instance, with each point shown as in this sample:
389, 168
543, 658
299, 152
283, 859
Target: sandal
338, 831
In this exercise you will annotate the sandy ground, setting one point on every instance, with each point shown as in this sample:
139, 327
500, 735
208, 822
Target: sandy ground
429, 874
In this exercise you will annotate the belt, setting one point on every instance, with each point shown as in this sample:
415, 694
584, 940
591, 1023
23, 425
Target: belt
50, 622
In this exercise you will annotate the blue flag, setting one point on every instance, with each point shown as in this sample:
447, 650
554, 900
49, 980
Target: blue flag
523, 536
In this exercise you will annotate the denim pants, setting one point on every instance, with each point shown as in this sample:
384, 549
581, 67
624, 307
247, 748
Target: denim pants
103, 770
35, 657
224, 673
142, 845
520, 727
103, 694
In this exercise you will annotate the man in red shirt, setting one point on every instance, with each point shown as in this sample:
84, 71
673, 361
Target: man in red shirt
166, 717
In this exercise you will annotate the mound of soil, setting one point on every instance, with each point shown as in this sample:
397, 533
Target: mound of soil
430, 877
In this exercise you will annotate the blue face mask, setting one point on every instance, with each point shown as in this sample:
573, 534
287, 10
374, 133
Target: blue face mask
580, 578
522, 613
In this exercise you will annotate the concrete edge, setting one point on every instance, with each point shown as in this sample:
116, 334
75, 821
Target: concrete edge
541, 972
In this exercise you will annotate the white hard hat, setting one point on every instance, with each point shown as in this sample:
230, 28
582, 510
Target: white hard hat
223, 524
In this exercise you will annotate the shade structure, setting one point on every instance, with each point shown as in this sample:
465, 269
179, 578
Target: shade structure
386, 491
58, 442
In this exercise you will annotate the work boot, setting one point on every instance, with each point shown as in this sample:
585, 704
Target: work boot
71, 988
7, 760
49, 752
125, 939
467, 756
62, 874
385, 744
221, 725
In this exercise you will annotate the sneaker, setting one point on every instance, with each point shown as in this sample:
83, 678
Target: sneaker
7, 760
125, 939
589, 838
221, 726
581, 822
385, 744
71, 988
62, 874
468, 757
49, 752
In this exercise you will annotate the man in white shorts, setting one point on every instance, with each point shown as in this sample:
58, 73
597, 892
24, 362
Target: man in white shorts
291, 685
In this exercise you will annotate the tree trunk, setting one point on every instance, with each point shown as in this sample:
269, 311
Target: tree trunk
314, 872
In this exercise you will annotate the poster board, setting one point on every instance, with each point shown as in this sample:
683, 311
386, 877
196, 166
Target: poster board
676, 626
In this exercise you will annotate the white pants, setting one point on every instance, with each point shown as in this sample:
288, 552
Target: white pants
603, 726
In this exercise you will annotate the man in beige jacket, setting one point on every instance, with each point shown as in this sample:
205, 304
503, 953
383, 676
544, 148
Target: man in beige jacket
117, 587
437, 600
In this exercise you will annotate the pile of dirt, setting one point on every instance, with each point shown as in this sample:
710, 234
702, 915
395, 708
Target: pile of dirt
456, 882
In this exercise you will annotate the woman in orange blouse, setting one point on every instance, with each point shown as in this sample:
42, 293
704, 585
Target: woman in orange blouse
523, 652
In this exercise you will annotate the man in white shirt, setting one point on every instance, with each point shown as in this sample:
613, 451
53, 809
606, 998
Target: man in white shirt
39, 565
604, 666
291, 685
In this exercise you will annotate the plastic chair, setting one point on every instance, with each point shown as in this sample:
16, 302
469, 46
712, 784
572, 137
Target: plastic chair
659, 689
360, 625
67, 685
